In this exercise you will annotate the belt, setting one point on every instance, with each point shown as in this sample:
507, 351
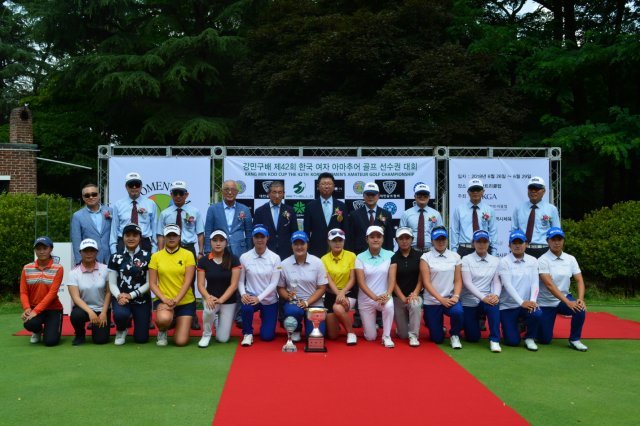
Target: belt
465, 245
537, 246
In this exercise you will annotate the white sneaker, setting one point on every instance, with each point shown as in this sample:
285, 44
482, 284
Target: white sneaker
247, 340
495, 347
162, 338
530, 344
35, 338
296, 336
455, 342
387, 342
352, 339
578, 346
413, 341
121, 337
204, 341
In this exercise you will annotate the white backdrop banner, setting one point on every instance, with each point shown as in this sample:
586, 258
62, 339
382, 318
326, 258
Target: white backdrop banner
395, 176
505, 182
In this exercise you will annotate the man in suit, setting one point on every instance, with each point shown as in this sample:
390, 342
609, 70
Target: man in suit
92, 221
323, 214
368, 215
279, 219
233, 218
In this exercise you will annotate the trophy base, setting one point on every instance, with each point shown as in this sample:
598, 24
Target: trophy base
289, 347
315, 344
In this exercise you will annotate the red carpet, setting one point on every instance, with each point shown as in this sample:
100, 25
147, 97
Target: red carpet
355, 385
599, 325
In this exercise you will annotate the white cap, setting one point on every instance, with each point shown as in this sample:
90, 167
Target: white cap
171, 229
371, 187
536, 182
473, 183
218, 232
178, 184
132, 176
88, 243
403, 230
374, 228
422, 187
336, 233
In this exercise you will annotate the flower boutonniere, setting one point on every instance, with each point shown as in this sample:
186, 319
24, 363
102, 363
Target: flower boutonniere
382, 219
546, 219
338, 214
142, 210
433, 219
286, 215
107, 214
189, 219
486, 216
241, 217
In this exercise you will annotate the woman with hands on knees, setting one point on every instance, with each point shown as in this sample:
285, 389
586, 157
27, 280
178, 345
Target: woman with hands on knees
170, 274
220, 270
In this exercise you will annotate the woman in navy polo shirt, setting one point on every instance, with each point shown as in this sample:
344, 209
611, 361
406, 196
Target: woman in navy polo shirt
221, 271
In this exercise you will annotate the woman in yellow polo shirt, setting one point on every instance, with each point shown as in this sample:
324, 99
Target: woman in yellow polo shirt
171, 271
340, 298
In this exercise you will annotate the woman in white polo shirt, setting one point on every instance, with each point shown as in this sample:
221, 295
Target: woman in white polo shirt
440, 269
90, 294
372, 275
556, 270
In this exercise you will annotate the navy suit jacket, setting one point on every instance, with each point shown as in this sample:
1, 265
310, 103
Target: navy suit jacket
279, 239
83, 227
358, 223
240, 240
316, 227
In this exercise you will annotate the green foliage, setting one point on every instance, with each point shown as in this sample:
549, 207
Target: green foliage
23, 217
607, 243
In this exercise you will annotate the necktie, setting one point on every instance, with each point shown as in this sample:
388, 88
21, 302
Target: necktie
134, 212
275, 212
327, 211
532, 218
476, 226
420, 242
371, 218
179, 218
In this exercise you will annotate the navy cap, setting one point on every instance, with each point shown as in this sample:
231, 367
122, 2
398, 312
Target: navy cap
299, 235
131, 227
517, 234
43, 240
439, 233
555, 232
259, 229
480, 234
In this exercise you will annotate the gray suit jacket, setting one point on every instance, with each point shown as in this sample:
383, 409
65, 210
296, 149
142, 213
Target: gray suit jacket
240, 240
82, 227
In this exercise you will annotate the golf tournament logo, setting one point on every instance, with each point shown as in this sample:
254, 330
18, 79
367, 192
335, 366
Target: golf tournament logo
358, 187
298, 188
390, 207
162, 200
389, 186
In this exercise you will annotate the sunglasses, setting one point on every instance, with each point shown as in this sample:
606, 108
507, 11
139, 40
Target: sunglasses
178, 192
336, 234
134, 185
90, 195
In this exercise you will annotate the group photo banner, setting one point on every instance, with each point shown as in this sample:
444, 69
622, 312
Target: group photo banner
396, 178
505, 187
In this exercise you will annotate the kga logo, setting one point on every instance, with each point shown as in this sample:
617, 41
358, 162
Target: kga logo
389, 186
299, 187
358, 204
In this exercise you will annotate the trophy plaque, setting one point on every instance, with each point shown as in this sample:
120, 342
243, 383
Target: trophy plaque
315, 340
290, 324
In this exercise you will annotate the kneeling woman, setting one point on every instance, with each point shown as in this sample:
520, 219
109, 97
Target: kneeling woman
39, 284
221, 271
556, 269
88, 289
376, 287
129, 285
481, 291
170, 274
442, 282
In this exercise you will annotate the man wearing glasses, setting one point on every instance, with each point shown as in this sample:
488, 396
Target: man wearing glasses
233, 218
92, 221
137, 209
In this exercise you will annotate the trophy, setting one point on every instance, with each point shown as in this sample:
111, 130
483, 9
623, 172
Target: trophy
315, 340
290, 324
294, 286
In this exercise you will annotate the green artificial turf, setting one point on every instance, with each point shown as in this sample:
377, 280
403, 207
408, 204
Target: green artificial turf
91, 384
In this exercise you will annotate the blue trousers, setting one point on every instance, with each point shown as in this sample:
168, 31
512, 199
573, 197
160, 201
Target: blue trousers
434, 320
291, 310
548, 320
509, 321
472, 316
140, 314
268, 315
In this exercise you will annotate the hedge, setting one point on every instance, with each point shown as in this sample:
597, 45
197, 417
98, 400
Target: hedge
23, 217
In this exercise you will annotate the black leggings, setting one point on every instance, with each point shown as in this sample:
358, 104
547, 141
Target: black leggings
52, 323
79, 319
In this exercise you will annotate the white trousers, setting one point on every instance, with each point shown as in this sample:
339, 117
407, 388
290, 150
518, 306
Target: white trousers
226, 314
368, 309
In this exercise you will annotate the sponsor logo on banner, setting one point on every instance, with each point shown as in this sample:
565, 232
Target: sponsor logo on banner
242, 187
393, 189
390, 207
266, 184
299, 207
358, 187
261, 188
298, 188
358, 204
158, 192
